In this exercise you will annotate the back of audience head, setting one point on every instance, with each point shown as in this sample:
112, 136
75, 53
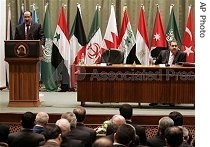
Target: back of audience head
27, 120
126, 111
52, 132
164, 123
174, 136
64, 126
118, 120
71, 118
125, 134
80, 113
42, 118
177, 118
102, 142
4, 132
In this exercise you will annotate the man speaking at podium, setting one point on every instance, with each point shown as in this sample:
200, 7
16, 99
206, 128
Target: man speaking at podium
29, 30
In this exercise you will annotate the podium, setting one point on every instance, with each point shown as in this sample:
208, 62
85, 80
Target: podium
23, 57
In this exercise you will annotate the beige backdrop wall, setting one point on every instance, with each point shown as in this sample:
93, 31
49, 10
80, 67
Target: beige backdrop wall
88, 9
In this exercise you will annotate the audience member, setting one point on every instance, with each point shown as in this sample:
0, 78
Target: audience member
64, 126
26, 137
126, 111
177, 118
185, 137
68, 140
80, 113
124, 136
41, 121
102, 142
52, 135
174, 136
116, 121
159, 139
70, 116
4, 132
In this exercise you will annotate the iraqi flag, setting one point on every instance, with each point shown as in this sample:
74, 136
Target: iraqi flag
142, 43
126, 37
111, 34
158, 38
61, 51
188, 42
94, 46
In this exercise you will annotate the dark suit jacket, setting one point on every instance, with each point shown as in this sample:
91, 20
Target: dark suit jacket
50, 144
25, 138
35, 32
80, 135
69, 142
156, 141
163, 57
92, 132
38, 129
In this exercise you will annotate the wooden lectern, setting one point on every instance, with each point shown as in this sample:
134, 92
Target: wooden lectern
23, 57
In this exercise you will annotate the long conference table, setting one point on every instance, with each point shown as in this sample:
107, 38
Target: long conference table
136, 84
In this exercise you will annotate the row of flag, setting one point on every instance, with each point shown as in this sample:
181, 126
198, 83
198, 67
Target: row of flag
63, 51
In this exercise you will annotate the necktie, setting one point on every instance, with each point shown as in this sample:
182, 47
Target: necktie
171, 59
27, 30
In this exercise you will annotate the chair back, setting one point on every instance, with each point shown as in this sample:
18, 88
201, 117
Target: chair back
113, 56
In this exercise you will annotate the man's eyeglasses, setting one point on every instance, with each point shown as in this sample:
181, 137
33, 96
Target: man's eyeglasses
174, 45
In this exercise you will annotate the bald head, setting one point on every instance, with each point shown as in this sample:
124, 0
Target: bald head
102, 142
64, 125
118, 120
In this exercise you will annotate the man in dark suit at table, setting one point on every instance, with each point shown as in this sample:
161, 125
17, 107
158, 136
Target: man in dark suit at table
170, 57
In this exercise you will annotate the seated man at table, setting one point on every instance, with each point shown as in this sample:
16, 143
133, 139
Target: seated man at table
170, 57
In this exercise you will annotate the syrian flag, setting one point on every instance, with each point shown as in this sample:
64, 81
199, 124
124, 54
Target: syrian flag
126, 37
61, 51
142, 43
77, 45
111, 34
158, 38
188, 42
172, 31
21, 18
94, 46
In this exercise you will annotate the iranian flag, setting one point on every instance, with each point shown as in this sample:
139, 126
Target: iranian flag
158, 38
142, 43
111, 34
94, 46
126, 37
61, 51
188, 42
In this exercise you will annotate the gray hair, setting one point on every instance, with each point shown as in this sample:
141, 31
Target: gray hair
70, 116
42, 118
164, 123
64, 126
